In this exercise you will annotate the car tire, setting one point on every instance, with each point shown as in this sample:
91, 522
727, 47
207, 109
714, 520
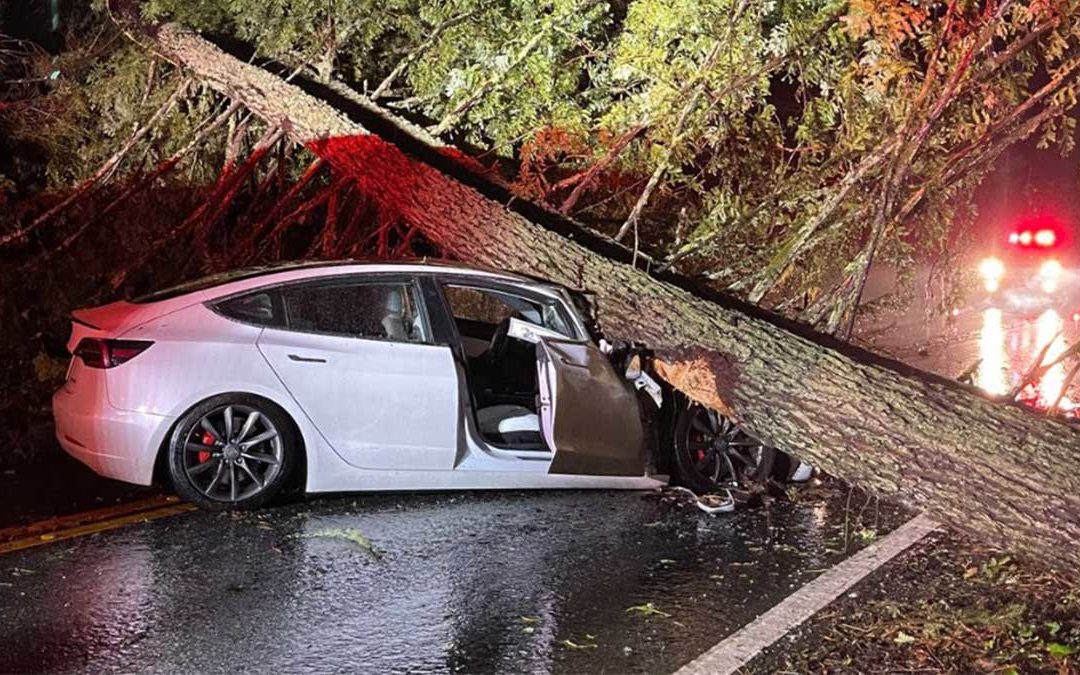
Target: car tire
232, 452
689, 457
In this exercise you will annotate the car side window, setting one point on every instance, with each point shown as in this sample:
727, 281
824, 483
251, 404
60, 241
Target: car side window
256, 308
490, 307
386, 310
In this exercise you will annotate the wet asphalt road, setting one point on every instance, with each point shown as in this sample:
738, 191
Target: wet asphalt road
477, 582
997, 346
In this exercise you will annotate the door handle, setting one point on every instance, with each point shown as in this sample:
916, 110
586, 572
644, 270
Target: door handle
306, 359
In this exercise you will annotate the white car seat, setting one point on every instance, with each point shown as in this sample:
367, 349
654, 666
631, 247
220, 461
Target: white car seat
511, 423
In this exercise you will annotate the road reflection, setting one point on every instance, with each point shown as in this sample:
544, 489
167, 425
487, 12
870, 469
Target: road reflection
992, 371
1006, 352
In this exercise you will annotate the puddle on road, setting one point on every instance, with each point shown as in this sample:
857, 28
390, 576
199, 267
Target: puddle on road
1006, 352
497, 582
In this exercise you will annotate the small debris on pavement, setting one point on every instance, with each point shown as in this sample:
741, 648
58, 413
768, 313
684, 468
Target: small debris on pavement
711, 504
570, 644
648, 609
349, 534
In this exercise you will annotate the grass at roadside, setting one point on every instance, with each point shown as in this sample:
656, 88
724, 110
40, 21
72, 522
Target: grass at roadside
949, 605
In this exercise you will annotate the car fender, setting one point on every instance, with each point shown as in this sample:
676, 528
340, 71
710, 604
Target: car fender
320, 457
233, 364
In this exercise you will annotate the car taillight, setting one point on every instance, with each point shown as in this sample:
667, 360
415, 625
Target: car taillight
101, 353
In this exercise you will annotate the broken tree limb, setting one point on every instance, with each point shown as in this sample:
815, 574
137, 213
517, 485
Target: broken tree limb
1032, 374
988, 468
255, 232
140, 183
1065, 384
103, 172
584, 180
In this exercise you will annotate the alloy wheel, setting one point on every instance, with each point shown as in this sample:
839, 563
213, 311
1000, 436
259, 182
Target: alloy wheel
718, 451
232, 453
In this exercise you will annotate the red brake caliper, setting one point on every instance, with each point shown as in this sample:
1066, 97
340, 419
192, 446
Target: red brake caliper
207, 439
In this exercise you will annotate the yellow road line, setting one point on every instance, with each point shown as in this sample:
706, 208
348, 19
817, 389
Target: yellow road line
83, 517
100, 525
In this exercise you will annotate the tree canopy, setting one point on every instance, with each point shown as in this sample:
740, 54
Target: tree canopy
778, 148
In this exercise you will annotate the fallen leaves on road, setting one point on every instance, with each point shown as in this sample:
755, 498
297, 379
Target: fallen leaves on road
951, 606
648, 609
570, 644
351, 535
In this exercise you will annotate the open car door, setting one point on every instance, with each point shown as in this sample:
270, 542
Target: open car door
589, 416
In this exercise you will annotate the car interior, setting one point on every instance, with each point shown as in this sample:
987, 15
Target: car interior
501, 370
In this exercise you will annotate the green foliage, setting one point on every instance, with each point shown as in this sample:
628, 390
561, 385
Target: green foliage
762, 119
304, 31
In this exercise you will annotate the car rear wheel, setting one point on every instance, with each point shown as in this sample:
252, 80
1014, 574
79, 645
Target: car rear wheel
711, 452
234, 451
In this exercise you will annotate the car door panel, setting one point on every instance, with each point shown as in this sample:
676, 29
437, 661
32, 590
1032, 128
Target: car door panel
589, 416
380, 404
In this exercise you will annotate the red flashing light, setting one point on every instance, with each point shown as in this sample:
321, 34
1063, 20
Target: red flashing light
1044, 238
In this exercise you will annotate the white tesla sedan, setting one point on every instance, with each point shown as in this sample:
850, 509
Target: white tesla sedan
365, 376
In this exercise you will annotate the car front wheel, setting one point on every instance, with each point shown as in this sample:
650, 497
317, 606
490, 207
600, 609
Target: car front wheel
233, 451
712, 453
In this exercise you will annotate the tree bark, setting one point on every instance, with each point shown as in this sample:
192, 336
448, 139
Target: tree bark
986, 467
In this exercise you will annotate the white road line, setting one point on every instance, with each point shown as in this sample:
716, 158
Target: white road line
736, 650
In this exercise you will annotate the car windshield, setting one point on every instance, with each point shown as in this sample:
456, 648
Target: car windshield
490, 307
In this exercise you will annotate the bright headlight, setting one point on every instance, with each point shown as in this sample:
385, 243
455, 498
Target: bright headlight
1050, 273
1051, 269
991, 270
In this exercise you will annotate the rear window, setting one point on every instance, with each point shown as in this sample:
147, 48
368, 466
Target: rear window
258, 308
385, 310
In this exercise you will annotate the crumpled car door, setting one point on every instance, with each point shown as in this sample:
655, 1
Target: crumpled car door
588, 414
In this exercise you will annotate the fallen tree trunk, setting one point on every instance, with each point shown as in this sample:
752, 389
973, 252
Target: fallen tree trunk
989, 468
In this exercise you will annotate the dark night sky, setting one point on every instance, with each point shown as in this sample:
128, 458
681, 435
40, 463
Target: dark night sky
31, 20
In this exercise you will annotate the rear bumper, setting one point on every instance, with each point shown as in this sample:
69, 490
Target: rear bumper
114, 443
